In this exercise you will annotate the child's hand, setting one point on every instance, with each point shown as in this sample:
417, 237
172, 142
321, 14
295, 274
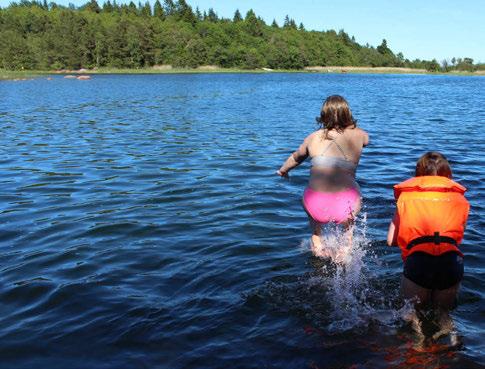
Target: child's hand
282, 174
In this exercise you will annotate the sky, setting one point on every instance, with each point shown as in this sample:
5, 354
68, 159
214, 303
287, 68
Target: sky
421, 29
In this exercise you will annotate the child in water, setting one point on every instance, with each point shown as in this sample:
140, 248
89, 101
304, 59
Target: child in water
428, 225
332, 195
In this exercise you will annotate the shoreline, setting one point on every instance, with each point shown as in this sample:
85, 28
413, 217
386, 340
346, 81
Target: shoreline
31, 74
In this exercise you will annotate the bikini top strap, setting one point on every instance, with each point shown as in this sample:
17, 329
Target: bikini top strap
326, 149
340, 149
334, 141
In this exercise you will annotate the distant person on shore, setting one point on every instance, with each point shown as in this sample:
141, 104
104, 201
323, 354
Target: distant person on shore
332, 195
428, 225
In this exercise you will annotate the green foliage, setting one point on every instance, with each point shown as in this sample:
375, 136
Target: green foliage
383, 49
14, 51
38, 35
92, 6
432, 66
465, 64
480, 67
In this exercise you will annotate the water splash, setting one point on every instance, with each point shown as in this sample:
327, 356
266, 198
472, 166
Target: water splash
356, 300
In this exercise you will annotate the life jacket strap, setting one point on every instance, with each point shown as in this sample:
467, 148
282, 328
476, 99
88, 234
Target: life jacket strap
436, 239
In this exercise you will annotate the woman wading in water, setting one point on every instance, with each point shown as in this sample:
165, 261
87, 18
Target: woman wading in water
332, 194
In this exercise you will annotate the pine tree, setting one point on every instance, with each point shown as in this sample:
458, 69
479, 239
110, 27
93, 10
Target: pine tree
132, 8
93, 6
107, 7
253, 25
250, 14
237, 16
116, 7
382, 48
184, 12
286, 23
146, 10
212, 16
198, 14
158, 10
274, 24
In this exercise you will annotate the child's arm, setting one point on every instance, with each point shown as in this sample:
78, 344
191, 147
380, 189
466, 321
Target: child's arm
393, 230
294, 159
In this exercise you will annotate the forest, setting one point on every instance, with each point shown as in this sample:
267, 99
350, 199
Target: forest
37, 35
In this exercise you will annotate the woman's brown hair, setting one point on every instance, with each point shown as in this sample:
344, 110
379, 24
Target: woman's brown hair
336, 114
433, 164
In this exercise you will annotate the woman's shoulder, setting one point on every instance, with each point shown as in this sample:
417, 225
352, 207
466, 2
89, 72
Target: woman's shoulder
357, 134
312, 136
356, 131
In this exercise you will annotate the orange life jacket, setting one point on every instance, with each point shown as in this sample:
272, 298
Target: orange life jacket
432, 215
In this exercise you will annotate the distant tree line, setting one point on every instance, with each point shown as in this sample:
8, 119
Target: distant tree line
41, 35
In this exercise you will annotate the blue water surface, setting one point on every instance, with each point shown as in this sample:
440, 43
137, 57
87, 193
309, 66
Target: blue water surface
143, 226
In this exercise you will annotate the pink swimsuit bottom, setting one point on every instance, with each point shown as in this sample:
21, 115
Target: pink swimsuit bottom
325, 207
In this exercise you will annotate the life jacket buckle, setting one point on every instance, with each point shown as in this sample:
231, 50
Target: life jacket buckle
436, 238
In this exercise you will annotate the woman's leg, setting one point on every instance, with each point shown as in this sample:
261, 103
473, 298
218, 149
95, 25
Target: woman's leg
316, 240
344, 252
317, 244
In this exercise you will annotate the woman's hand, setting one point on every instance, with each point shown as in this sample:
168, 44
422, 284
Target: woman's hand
282, 173
295, 158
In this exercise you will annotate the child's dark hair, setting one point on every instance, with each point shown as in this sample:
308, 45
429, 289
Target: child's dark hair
433, 164
336, 114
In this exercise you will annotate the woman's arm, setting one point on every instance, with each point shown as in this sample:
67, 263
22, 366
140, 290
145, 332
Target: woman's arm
366, 139
294, 159
393, 230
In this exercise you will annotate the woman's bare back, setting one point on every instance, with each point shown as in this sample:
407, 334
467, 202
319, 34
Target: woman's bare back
351, 141
335, 157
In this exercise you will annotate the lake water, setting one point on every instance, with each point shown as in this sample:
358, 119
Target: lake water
143, 226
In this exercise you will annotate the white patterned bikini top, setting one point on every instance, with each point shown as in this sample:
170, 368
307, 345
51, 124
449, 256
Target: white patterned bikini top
323, 161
